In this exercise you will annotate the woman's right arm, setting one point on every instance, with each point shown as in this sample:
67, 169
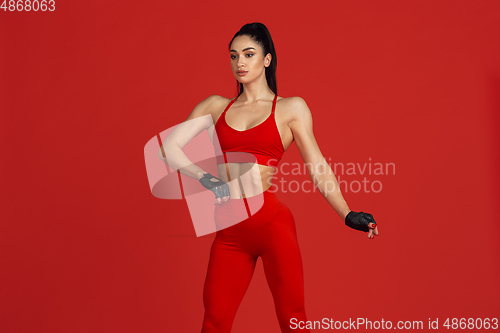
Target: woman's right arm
200, 119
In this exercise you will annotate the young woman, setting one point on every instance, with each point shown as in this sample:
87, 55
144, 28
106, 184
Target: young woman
260, 123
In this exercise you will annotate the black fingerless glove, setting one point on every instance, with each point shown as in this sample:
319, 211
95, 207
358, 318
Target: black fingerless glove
359, 221
219, 188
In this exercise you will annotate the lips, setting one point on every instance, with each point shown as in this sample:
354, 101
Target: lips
242, 73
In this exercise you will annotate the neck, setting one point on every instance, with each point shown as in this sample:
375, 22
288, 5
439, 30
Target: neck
256, 90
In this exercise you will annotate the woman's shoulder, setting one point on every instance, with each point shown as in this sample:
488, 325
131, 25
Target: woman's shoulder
216, 98
209, 106
215, 102
294, 106
293, 101
212, 104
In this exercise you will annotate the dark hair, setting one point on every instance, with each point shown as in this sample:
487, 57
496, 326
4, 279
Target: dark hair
259, 33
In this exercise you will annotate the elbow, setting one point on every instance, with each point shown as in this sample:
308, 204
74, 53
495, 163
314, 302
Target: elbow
317, 164
167, 149
314, 158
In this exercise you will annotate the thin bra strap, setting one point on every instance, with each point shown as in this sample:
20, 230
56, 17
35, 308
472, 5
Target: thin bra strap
229, 105
274, 103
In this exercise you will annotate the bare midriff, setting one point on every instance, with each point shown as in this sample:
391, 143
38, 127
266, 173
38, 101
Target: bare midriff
246, 179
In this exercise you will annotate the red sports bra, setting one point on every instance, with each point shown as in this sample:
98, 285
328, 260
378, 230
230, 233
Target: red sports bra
262, 141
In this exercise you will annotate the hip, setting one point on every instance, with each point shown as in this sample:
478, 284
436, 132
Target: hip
261, 216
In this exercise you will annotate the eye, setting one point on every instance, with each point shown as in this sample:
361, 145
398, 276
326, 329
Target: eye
233, 56
249, 54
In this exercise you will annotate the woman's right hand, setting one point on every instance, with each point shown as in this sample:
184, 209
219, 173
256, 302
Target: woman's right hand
217, 186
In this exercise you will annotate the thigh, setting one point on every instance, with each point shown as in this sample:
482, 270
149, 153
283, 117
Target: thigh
282, 263
229, 273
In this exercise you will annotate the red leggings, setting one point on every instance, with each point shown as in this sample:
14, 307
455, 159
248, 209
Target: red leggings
269, 233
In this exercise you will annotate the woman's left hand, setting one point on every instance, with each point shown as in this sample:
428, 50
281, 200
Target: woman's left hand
363, 222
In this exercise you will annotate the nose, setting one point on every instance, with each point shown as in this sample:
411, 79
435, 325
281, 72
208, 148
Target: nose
241, 62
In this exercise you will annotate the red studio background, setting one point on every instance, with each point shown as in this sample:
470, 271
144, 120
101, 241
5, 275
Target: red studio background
86, 247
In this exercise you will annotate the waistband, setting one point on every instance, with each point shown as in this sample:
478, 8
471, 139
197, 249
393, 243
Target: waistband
236, 210
267, 195
251, 204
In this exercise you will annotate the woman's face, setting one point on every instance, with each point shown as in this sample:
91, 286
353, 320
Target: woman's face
247, 59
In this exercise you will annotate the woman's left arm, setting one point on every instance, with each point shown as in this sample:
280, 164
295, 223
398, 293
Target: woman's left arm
319, 170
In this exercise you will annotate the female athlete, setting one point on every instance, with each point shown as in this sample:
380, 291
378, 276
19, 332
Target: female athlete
260, 123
